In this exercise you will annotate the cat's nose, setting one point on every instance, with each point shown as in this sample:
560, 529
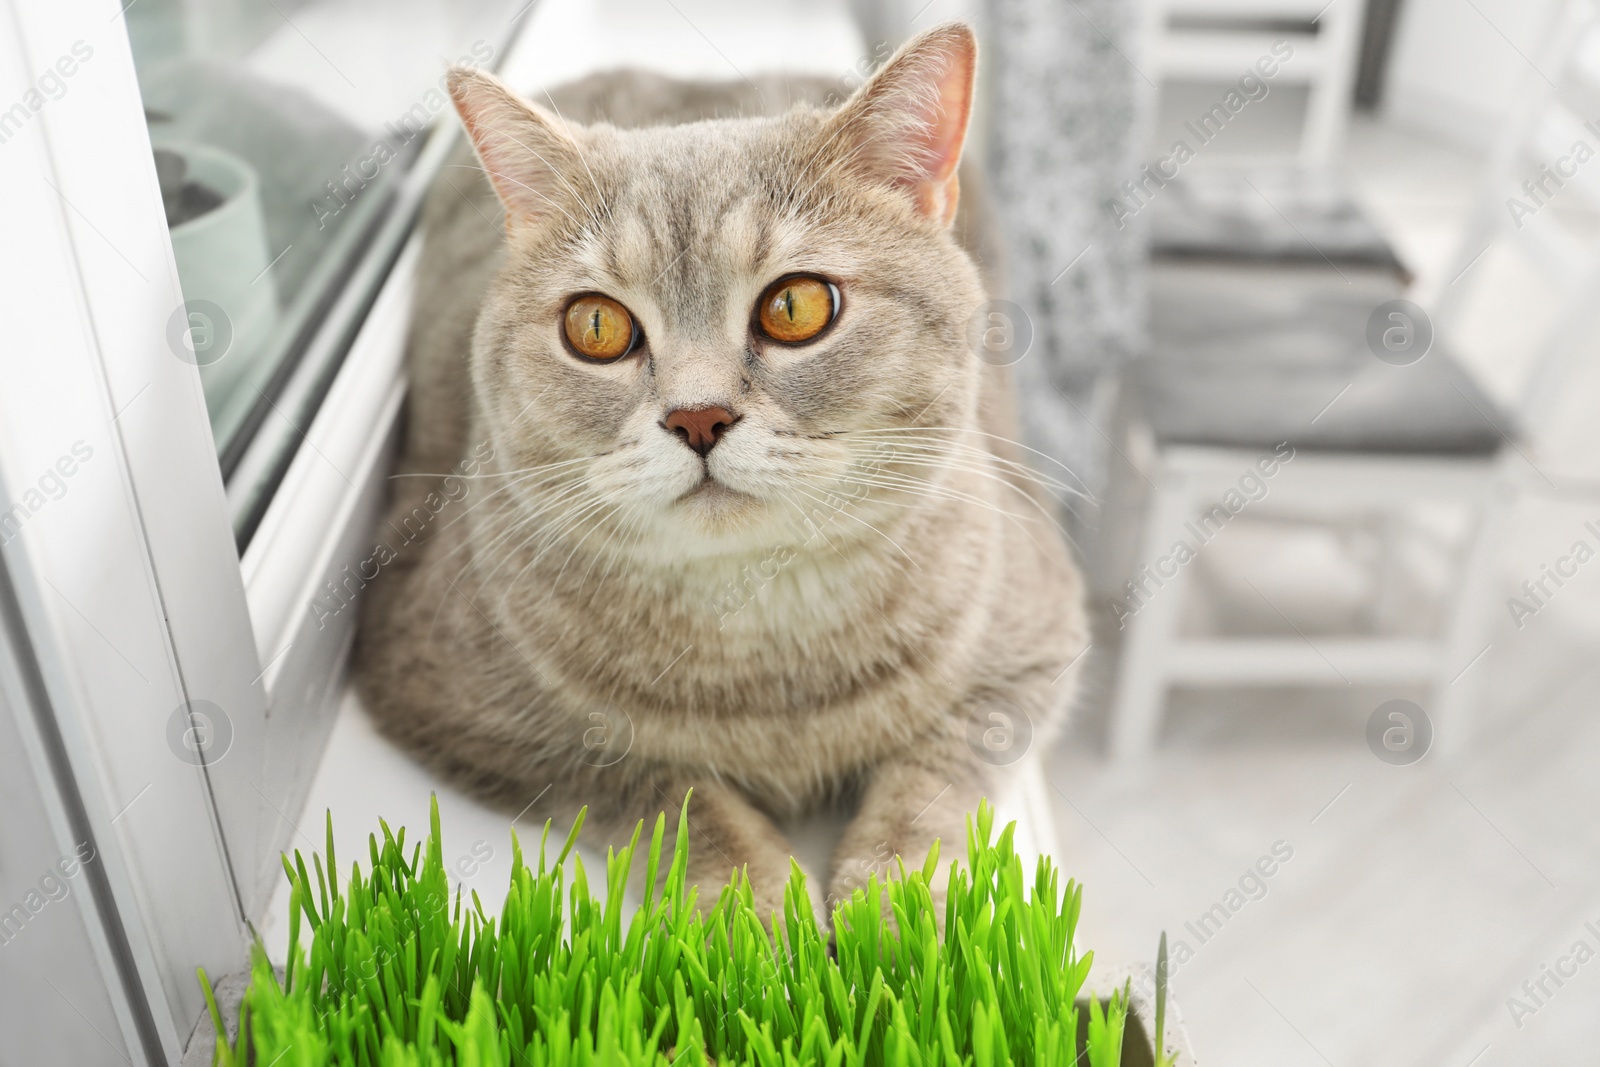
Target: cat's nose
700, 428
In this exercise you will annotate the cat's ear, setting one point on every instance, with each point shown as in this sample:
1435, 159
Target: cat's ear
525, 150
906, 126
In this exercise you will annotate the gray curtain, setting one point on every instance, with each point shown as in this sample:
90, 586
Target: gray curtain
1063, 135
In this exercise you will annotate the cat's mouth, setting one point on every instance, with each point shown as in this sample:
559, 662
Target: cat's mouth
709, 491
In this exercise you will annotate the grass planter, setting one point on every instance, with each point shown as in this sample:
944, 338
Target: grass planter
391, 971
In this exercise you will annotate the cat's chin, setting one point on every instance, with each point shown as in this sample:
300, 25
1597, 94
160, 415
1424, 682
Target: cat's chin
716, 502
719, 517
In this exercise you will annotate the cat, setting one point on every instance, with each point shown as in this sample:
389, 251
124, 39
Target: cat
717, 494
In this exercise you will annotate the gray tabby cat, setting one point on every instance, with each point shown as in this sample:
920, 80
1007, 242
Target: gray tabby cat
734, 505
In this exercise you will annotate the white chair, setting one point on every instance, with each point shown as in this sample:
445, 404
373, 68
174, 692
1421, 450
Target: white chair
1218, 40
1371, 439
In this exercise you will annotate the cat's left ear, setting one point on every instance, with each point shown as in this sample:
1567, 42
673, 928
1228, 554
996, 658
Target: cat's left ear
906, 126
525, 151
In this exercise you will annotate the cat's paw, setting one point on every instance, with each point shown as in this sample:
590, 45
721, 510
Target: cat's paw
856, 877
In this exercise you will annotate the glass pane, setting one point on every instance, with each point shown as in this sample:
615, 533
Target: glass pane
280, 127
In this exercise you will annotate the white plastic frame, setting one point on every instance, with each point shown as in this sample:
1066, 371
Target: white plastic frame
126, 579
130, 590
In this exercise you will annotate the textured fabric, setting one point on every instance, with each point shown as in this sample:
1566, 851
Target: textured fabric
1063, 137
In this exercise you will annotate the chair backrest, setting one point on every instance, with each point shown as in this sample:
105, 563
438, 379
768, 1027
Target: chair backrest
1218, 40
1520, 299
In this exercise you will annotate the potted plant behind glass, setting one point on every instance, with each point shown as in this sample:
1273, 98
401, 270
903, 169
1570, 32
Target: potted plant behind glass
219, 239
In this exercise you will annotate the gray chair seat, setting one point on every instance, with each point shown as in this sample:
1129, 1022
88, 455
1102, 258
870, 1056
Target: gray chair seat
1269, 215
1253, 358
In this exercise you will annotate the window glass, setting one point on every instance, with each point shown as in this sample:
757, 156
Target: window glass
280, 129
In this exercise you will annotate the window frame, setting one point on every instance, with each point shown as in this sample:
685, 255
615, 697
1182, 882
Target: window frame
131, 593
128, 585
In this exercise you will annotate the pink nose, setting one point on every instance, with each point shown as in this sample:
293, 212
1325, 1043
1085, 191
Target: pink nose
700, 428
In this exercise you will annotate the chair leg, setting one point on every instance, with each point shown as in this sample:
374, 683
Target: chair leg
1390, 575
1123, 503
1148, 631
1458, 691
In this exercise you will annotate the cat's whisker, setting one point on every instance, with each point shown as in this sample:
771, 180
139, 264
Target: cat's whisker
583, 158
817, 529
899, 444
508, 487
547, 519
495, 549
594, 219
1011, 467
598, 523
979, 460
913, 484
498, 474
507, 554
834, 165
632, 533
568, 523
461, 546
467, 541
1000, 479
903, 505
896, 438
561, 177
891, 430
513, 181
921, 487
530, 479
981, 455
1005, 479
571, 528
954, 433
482, 552
1021, 522
922, 456
479, 554
842, 510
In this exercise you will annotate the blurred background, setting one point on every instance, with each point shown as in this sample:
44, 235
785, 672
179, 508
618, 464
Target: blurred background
1301, 293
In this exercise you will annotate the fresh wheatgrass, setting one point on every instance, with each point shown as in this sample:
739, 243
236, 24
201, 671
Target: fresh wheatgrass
391, 971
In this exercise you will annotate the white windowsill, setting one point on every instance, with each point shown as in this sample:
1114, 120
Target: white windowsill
363, 778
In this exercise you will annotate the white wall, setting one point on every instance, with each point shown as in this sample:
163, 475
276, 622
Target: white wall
1455, 67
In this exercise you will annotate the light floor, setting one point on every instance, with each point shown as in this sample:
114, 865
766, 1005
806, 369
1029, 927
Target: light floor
1416, 900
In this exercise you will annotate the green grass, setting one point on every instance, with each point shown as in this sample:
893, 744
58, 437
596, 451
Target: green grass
392, 970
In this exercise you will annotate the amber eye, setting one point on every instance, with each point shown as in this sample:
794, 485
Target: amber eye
600, 328
797, 309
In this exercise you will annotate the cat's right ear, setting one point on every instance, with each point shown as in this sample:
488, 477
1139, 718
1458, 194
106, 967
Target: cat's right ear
525, 150
906, 126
